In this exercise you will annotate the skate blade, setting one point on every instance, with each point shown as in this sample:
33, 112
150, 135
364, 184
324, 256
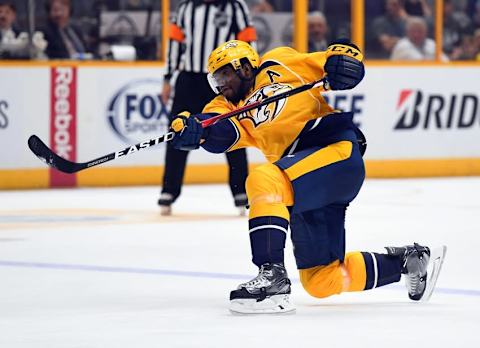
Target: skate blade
277, 304
437, 257
165, 210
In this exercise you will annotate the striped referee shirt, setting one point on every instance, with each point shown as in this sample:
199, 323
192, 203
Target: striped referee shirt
200, 27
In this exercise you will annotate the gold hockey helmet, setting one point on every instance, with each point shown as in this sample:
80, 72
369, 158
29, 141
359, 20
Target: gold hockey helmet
231, 52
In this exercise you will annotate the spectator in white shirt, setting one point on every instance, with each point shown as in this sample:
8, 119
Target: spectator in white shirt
415, 45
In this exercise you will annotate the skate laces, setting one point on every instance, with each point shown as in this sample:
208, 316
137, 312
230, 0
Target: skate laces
261, 280
413, 284
258, 282
416, 269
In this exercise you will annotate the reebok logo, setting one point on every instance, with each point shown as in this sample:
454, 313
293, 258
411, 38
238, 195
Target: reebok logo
63, 102
63, 120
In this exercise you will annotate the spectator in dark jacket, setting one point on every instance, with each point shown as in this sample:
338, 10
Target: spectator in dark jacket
389, 28
65, 41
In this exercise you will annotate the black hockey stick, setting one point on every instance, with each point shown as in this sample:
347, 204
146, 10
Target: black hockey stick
46, 154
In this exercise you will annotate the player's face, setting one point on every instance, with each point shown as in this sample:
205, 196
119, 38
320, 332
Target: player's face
228, 83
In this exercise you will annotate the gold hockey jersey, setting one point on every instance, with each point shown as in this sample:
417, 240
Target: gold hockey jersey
274, 127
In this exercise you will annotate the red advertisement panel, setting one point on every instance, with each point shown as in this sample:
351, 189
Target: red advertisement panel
63, 121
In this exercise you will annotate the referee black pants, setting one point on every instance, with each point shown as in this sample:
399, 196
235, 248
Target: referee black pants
192, 93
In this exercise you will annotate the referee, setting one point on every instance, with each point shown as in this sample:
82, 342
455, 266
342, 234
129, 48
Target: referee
199, 27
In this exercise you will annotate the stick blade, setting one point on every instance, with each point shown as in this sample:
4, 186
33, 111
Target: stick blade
42, 151
437, 257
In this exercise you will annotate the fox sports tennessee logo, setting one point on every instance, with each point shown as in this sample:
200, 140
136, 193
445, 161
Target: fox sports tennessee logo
136, 111
266, 113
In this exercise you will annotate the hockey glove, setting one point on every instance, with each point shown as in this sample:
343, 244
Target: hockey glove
344, 66
188, 132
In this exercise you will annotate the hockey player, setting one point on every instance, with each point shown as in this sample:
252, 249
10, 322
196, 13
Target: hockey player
314, 170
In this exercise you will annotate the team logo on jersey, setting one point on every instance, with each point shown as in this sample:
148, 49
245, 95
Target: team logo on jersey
269, 112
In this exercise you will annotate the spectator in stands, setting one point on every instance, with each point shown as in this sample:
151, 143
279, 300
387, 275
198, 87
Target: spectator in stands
8, 15
416, 45
469, 48
317, 32
419, 8
389, 28
13, 43
16, 44
456, 25
65, 41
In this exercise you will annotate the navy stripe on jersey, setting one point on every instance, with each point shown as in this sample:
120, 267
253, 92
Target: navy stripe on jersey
205, 26
267, 64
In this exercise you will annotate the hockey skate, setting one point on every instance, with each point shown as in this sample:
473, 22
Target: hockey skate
165, 202
241, 202
421, 267
267, 293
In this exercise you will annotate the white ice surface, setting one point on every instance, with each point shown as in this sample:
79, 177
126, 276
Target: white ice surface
101, 268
